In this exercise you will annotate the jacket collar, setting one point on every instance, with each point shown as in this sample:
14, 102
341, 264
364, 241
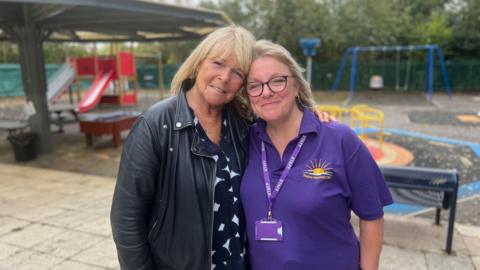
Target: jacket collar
183, 115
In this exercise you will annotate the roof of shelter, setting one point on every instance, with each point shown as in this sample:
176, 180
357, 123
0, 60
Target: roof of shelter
109, 20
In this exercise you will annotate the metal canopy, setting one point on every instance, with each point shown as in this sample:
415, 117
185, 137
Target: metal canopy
31, 22
109, 20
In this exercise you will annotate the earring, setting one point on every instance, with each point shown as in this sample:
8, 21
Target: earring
299, 102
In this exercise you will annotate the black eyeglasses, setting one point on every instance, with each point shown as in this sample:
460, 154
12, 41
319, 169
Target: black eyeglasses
275, 84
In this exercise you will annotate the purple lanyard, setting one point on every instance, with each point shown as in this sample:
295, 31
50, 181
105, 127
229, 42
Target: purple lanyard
266, 177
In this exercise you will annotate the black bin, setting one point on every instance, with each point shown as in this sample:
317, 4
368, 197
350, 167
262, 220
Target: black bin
23, 146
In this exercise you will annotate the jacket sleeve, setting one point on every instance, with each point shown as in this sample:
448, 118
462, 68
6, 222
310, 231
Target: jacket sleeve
133, 197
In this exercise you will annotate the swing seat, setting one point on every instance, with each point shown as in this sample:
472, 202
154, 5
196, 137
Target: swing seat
376, 82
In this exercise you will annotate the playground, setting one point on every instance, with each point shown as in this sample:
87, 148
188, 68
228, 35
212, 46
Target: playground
411, 123
441, 132
98, 95
419, 126
63, 122
94, 100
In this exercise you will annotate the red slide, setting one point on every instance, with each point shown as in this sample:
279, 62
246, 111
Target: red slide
92, 97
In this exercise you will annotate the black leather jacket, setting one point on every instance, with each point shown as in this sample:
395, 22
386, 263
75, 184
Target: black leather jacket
162, 210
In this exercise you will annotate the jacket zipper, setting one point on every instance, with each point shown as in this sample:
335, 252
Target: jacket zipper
213, 213
213, 192
152, 229
195, 151
212, 203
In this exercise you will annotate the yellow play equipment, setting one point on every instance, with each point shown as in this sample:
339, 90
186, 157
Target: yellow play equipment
365, 119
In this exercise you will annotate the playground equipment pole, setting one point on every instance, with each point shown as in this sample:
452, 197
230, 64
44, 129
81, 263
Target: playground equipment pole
308, 45
309, 70
444, 71
135, 75
119, 83
430, 73
353, 74
161, 84
340, 70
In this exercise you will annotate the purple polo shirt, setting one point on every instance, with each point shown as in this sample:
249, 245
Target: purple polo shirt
333, 174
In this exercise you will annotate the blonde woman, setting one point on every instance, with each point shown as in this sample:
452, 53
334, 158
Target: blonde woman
176, 202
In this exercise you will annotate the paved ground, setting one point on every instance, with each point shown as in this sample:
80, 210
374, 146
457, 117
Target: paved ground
70, 152
57, 220
54, 210
54, 220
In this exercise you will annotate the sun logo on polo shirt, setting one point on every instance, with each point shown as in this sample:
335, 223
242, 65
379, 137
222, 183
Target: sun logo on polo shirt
318, 170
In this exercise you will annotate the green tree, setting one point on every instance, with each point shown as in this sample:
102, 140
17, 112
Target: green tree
466, 29
435, 30
9, 52
371, 22
56, 53
282, 21
453, 24
429, 22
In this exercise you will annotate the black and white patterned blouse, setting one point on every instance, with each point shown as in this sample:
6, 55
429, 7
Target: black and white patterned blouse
228, 224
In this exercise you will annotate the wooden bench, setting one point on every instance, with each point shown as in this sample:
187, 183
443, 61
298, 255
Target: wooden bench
427, 187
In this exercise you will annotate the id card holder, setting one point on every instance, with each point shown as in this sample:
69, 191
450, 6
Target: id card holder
268, 230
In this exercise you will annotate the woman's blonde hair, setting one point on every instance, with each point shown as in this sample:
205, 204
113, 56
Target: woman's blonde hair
267, 48
219, 44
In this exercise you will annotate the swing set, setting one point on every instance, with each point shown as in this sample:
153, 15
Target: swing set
432, 50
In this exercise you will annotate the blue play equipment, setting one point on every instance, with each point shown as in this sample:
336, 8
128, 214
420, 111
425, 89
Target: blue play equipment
308, 45
431, 50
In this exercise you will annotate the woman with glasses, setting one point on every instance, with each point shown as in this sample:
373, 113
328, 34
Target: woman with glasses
304, 177
177, 203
